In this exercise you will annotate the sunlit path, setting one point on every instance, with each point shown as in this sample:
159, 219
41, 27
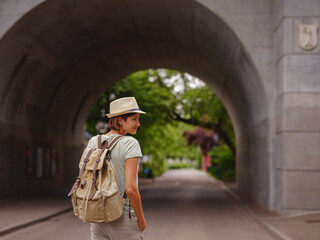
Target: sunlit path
188, 204
181, 204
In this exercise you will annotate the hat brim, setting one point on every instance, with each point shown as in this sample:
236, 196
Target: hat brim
122, 113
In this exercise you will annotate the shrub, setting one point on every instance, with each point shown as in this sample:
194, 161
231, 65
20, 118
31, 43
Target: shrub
223, 163
179, 165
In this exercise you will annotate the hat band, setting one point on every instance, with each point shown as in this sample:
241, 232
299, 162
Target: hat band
129, 110
134, 109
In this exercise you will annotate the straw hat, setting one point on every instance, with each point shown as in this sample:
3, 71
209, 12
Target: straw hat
123, 106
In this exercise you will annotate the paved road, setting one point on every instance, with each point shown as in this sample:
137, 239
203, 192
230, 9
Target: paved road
182, 204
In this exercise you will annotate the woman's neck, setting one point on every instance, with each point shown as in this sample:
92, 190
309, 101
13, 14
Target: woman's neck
119, 132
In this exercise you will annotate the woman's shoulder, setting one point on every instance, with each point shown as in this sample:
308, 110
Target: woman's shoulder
129, 140
131, 147
92, 141
125, 140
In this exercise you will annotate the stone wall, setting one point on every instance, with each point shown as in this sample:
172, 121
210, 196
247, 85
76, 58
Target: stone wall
297, 141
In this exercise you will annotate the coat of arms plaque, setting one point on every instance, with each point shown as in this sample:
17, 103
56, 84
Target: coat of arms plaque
308, 36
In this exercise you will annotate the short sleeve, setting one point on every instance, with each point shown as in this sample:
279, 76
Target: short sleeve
132, 148
91, 142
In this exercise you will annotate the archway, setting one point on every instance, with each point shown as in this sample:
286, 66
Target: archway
61, 55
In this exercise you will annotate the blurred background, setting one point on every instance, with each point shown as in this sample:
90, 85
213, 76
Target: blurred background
232, 131
181, 127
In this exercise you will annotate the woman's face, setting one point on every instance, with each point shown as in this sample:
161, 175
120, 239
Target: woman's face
131, 124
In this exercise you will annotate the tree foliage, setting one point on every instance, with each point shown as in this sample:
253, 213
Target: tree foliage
223, 163
201, 107
205, 139
173, 103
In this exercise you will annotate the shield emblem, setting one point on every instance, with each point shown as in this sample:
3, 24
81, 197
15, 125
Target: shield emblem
308, 36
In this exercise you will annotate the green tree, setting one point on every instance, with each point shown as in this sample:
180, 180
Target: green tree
201, 107
223, 163
168, 97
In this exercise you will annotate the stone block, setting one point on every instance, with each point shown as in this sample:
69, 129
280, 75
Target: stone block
6, 22
301, 150
302, 190
18, 6
262, 56
238, 7
252, 39
301, 73
283, 42
297, 151
250, 23
302, 112
297, 8
12, 10
277, 12
298, 112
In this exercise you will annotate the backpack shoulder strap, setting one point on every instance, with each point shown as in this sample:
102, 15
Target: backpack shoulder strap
114, 141
101, 145
99, 141
112, 144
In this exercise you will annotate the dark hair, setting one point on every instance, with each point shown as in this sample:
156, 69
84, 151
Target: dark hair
114, 121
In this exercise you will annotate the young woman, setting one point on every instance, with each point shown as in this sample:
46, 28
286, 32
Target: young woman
124, 118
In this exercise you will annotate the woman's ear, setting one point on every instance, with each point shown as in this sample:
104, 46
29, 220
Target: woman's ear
120, 121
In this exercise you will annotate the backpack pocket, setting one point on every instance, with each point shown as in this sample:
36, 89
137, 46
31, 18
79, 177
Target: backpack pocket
113, 206
91, 211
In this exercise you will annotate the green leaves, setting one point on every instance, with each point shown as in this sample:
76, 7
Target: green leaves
223, 163
172, 100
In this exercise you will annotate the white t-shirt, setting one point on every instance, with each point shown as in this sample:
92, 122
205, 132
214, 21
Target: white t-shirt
127, 147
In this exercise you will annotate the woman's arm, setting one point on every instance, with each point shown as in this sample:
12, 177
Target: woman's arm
132, 190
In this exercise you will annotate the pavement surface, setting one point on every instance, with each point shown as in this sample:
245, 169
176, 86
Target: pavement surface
181, 204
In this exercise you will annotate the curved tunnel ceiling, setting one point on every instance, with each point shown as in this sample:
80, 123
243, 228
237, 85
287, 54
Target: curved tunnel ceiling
63, 54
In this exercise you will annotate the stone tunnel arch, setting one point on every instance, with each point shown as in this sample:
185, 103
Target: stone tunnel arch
60, 56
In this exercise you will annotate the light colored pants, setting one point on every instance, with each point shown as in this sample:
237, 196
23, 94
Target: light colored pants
122, 229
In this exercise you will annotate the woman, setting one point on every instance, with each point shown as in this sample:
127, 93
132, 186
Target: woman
124, 118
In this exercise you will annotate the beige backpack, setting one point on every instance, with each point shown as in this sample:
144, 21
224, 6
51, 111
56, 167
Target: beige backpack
95, 195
